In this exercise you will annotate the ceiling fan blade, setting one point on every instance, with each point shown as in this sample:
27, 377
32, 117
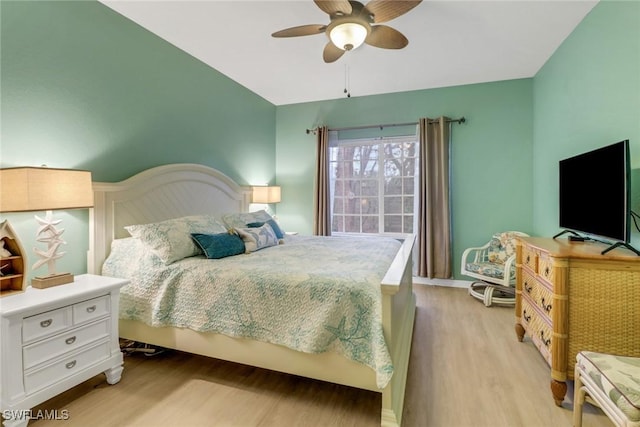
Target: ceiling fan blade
331, 53
386, 10
302, 30
333, 7
386, 38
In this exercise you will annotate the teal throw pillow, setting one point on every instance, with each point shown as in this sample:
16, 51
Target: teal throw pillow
216, 246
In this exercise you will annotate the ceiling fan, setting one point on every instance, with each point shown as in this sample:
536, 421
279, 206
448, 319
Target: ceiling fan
351, 24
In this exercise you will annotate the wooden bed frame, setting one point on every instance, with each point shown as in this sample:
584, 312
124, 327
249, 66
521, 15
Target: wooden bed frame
176, 190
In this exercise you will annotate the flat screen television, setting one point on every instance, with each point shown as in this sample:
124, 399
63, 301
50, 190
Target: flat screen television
595, 194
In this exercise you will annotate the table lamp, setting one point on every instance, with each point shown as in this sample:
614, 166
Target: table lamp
266, 195
24, 189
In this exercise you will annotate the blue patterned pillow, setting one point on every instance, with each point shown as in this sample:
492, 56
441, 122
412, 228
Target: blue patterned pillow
258, 238
272, 223
216, 246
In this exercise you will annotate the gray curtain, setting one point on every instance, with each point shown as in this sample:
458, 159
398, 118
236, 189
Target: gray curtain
434, 219
321, 201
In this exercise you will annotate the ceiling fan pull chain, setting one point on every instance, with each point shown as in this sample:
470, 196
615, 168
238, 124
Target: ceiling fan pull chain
347, 81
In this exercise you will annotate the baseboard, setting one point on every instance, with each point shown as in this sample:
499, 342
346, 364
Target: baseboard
452, 283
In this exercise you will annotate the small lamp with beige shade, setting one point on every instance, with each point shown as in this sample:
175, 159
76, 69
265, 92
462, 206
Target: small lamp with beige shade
24, 189
266, 195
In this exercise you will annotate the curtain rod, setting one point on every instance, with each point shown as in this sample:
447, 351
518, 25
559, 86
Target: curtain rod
313, 131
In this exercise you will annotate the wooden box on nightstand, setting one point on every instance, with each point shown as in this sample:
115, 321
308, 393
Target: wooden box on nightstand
54, 339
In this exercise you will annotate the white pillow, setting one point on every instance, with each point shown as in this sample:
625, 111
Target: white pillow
171, 240
257, 238
240, 220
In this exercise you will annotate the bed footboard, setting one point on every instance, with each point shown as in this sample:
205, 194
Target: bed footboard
398, 314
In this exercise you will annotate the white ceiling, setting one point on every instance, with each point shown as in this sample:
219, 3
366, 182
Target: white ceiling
450, 43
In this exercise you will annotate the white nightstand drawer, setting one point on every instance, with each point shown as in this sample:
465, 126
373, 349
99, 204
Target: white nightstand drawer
45, 324
39, 378
91, 309
65, 342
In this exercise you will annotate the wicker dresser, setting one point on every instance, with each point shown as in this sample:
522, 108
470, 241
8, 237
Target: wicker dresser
571, 298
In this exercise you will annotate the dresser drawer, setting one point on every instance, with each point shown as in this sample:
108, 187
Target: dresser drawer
530, 258
65, 342
544, 300
91, 309
538, 294
545, 269
528, 314
529, 285
46, 324
538, 329
41, 377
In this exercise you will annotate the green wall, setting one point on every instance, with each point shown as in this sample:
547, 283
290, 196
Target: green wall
491, 152
84, 87
586, 96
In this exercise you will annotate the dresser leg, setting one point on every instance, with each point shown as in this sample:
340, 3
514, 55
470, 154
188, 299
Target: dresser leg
519, 332
558, 389
114, 374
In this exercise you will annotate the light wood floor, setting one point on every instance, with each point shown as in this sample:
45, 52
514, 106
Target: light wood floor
467, 369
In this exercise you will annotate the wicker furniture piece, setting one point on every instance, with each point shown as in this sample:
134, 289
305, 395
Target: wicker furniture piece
570, 298
613, 382
493, 265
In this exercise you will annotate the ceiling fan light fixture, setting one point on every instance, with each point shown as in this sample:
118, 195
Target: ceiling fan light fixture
348, 35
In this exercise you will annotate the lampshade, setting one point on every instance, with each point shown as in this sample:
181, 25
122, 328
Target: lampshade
348, 36
41, 188
266, 194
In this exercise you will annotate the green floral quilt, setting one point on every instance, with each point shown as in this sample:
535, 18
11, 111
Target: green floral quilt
312, 294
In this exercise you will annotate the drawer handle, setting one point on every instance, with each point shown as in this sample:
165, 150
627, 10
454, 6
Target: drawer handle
526, 318
46, 323
528, 259
91, 309
528, 287
547, 341
70, 364
546, 271
70, 340
546, 307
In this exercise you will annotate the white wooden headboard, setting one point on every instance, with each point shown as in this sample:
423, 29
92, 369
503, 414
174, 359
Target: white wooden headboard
157, 194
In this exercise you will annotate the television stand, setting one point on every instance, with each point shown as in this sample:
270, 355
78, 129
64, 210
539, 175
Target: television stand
565, 232
577, 237
625, 245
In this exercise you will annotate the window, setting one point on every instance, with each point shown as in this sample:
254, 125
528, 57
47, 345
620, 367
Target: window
373, 184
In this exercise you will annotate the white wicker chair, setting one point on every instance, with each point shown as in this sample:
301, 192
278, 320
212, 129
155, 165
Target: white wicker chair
493, 266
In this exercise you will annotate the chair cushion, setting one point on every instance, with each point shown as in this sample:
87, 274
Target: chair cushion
617, 376
501, 247
488, 269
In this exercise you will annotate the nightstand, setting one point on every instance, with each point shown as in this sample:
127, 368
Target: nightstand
53, 339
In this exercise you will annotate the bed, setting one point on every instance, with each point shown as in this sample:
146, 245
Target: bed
183, 190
